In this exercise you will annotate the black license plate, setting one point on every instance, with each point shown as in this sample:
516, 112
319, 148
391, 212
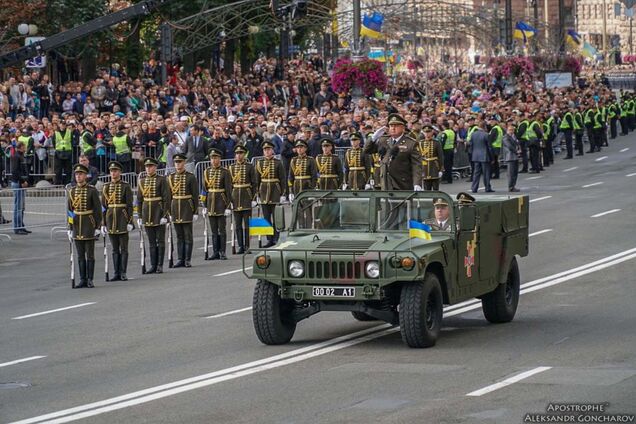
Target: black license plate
333, 291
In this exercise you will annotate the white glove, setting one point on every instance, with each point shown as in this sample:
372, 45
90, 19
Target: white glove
440, 174
204, 211
195, 217
367, 187
69, 234
417, 188
97, 233
163, 221
344, 186
283, 199
291, 197
228, 212
378, 133
129, 227
104, 230
140, 222
254, 203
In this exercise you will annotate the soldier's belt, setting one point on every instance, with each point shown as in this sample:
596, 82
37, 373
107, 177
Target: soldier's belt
429, 159
357, 168
328, 176
182, 197
118, 205
270, 180
242, 185
84, 212
302, 177
152, 199
216, 190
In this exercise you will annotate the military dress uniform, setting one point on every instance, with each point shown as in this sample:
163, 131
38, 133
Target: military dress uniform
270, 179
302, 176
153, 201
244, 187
218, 194
432, 162
357, 167
117, 202
184, 191
86, 210
330, 174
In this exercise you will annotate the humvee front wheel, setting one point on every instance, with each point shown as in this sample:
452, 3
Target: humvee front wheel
421, 306
361, 316
500, 305
271, 315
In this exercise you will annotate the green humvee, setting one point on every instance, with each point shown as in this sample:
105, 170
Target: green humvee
352, 251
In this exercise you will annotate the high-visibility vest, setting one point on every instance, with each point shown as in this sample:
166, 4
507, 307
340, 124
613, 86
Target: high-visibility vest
611, 111
530, 133
565, 125
86, 147
164, 152
578, 118
498, 141
449, 143
632, 107
604, 114
25, 139
525, 134
471, 130
598, 119
121, 144
547, 128
63, 143
588, 117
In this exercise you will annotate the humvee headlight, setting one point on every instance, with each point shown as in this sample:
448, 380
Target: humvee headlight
372, 269
296, 268
407, 263
262, 261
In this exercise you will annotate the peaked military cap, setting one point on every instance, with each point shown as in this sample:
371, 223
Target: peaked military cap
80, 168
215, 152
300, 143
326, 140
396, 119
267, 144
440, 202
179, 157
465, 198
356, 136
427, 127
151, 161
240, 149
113, 164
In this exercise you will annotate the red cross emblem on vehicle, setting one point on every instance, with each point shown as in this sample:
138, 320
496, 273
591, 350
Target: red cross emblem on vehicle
469, 259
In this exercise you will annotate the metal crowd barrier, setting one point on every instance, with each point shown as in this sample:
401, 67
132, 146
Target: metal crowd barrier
38, 207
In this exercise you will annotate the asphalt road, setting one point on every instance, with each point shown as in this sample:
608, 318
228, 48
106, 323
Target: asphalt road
155, 350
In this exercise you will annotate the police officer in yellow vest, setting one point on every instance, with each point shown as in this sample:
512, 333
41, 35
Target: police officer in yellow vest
85, 211
447, 138
579, 129
62, 141
184, 191
272, 186
566, 126
218, 202
496, 134
153, 203
123, 145
117, 202
88, 142
358, 166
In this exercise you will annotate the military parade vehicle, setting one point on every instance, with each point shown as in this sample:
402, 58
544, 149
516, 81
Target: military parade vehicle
386, 256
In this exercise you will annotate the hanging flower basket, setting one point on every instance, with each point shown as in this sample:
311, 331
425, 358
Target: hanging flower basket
367, 75
506, 67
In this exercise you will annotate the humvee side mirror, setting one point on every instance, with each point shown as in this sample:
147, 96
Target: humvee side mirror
467, 218
279, 218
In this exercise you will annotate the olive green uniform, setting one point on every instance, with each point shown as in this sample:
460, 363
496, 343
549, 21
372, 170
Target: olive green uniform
244, 187
432, 163
117, 201
86, 210
184, 192
302, 176
330, 174
218, 185
400, 162
270, 179
357, 168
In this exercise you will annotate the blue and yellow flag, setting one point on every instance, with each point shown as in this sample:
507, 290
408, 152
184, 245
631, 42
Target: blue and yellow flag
69, 216
523, 31
419, 230
573, 39
372, 25
260, 227
589, 51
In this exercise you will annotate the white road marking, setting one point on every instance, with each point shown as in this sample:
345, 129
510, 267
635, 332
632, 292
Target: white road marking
231, 272
631, 175
593, 184
601, 158
535, 177
605, 213
570, 169
224, 314
508, 381
538, 199
55, 310
19, 361
540, 232
625, 149
297, 355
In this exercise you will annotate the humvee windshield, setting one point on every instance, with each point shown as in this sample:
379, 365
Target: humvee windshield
394, 214
333, 214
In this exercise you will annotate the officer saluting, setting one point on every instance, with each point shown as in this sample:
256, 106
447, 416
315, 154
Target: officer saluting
432, 159
218, 185
85, 208
330, 173
243, 197
117, 201
183, 209
153, 201
357, 166
272, 187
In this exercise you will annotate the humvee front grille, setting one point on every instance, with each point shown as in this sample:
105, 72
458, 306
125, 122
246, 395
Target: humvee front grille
345, 245
334, 270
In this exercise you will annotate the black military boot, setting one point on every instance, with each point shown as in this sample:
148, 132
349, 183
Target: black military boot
247, 241
116, 267
180, 254
215, 247
240, 243
90, 271
81, 264
153, 260
222, 245
161, 250
123, 265
188, 255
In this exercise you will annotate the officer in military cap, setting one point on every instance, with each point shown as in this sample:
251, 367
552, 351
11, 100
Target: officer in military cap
117, 203
432, 159
218, 202
153, 203
86, 211
465, 199
302, 176
401, 162
357, 166
441, 222
330, 174
243, 197
272, 188
184, 191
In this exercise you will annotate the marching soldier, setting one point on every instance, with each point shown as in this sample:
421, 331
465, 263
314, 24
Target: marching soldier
432, 159
302, 176
153, 201
357, 166
85, 208
243, 197
117, 202
218, 186
270, 179
329, 167
184, 190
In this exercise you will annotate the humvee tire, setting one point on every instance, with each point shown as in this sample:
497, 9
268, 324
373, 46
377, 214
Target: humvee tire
271, 315
361, 316
500, 305
421, 308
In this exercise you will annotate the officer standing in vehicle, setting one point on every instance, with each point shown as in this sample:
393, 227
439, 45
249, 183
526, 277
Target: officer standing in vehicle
432, 159
153, 201
86, 209
272, 187
184, 191
358, 166
330, 175
218, 186
117, 202
243, 197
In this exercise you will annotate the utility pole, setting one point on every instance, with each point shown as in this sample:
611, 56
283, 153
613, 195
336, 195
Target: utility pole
508, 18
604, 30
535, 12
357, 24
562, 27
414, 28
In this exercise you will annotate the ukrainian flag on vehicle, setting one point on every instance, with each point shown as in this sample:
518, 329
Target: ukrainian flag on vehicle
260, 227
419, 230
